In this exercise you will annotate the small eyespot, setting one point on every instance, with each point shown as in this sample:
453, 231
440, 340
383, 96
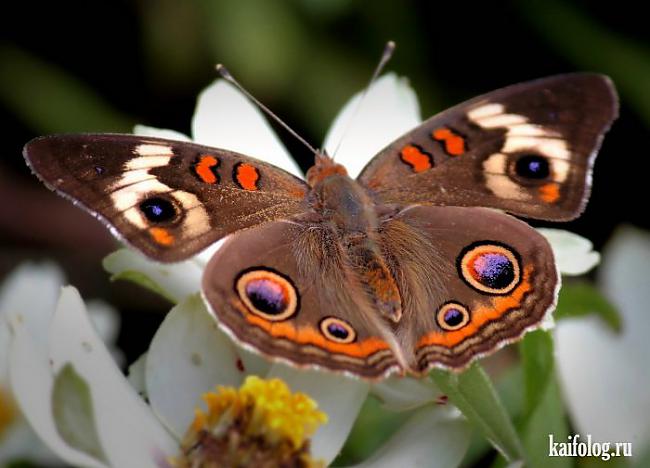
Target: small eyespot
452, 316
337, 330
532, 167
267, 294
158, 210
490, 267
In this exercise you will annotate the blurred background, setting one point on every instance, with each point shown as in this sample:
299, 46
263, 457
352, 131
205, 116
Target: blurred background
103, 66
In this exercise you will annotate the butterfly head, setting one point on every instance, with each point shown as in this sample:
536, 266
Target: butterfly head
324, 166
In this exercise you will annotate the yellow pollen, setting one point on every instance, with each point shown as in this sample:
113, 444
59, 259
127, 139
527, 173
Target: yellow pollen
275, 410
263, 420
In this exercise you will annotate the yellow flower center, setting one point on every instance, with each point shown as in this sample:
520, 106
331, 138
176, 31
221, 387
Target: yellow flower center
8, 410
262, 424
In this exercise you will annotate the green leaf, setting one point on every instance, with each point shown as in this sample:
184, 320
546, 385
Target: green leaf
543, 408
578, 299
548, 417
50, 100
536, 351
473, 393
73, 413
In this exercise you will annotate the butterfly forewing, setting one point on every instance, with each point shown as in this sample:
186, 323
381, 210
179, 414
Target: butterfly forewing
527, 149
169, 199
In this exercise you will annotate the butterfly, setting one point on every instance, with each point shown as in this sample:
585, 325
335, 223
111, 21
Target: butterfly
417, 263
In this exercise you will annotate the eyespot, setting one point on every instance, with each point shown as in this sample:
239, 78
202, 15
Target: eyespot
452, 316
490, 267
532, 167
158, 210
337, 330
268, 294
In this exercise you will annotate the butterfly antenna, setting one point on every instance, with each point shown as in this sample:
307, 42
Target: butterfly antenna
225, 74
385, 57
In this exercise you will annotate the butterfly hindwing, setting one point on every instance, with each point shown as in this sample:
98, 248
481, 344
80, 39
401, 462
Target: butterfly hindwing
527, 149
284, 290
471, 281
168, 199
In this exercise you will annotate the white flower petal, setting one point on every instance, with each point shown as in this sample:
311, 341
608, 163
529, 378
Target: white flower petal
205, 255
145, 130
20, 442
29, 294
338, 396
389, 109
435, 437
105, 319
574, 254
188, 356
404, 393
31, 383
175, 281
5, 343
128, 431
254, 364
605, 375
136, 375
225, 118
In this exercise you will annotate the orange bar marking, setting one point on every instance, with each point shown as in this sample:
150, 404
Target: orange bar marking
161, 236
310, 336
416, 158
454, 143
203, 169
247, 176
480, 316
550, 192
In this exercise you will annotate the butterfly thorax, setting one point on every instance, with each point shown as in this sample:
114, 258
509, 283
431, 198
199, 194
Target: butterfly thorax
346, 208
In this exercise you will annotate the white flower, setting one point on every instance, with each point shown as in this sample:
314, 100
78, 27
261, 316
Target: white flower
28, 296
605, 376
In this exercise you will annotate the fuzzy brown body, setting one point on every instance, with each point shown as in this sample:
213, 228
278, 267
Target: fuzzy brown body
414, 264
345, 207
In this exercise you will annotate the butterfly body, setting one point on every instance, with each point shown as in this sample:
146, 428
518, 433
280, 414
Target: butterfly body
414, 264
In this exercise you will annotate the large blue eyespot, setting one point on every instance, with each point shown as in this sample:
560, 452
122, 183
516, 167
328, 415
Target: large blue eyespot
267, 294
490, 267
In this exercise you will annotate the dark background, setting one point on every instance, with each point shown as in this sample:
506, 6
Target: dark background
106, 65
